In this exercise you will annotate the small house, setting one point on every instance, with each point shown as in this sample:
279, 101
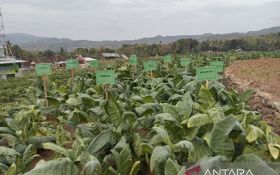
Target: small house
110, 56
9, 66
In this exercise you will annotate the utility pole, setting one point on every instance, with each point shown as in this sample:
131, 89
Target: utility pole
2, 29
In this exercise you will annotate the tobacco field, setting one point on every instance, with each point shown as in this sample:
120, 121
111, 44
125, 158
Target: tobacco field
145, 124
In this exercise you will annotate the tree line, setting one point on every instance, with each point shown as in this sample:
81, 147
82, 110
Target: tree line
182, 46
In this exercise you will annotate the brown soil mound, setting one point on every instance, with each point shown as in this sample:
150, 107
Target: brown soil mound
263, 76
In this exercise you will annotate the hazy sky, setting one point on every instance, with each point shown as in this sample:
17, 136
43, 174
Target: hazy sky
131, 19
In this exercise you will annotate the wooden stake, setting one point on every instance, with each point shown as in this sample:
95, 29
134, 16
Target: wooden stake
106, 86
72, 74
133, 72
44, 79
207, 84
93, 70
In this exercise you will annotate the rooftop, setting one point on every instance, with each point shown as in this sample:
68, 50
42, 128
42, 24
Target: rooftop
115, 55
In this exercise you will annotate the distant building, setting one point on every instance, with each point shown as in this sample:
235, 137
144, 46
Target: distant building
60, 64
9, 66
113, 56
110, 56
124, 57
84, 60
238, 50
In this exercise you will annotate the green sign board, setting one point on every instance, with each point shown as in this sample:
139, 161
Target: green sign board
185, 61
133, 60
206, 73
43, 69
105, 77
219, 65
150, 65
72, 64
94, 64
167, 58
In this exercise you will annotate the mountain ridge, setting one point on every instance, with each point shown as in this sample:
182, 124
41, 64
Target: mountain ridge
32, 42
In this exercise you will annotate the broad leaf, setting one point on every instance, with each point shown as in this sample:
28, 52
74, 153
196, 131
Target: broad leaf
254, 133
255, 164
4, 151
199, 120
220, 143
171, 167
12, 170
91, 167
158, 159
55, 167
100, 141
56, 148
113, 110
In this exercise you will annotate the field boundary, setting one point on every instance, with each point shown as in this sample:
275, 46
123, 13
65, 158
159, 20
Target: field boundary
260, 101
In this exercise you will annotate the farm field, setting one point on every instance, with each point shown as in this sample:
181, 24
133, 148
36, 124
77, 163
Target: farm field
150, 87
158, 122
261, 74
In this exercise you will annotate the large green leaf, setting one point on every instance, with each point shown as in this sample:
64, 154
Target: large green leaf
163, 135
206, 99
201, 150
38, 140
184, 107
220, 143
92, 167
158, 159
113, 110
125, 161
182, 146
273, 142
56, 148
74, 102
4, 151
216, 114
253, 163
253, 133
55, 167
171, 167
135, 168
100, 141
168, 108
28, 156
199, 120
12, 170
148, 108
129, 116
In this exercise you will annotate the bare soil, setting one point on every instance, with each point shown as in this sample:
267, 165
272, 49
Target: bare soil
263, 76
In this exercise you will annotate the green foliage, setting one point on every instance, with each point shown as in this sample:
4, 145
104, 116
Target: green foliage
142, 125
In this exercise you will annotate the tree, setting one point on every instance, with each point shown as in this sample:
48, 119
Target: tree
48, 53
16, 50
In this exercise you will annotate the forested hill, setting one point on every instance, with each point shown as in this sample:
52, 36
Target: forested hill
31, 42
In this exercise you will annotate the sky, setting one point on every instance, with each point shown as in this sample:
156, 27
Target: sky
133, 19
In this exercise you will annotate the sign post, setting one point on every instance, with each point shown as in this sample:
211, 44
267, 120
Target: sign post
206, 73
150, 66
105, 77
94, 64
219, 65
133, 62
43, 70
167, 59
185, 61
72, 65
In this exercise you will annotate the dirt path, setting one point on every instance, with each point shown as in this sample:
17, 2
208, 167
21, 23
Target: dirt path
263, 76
